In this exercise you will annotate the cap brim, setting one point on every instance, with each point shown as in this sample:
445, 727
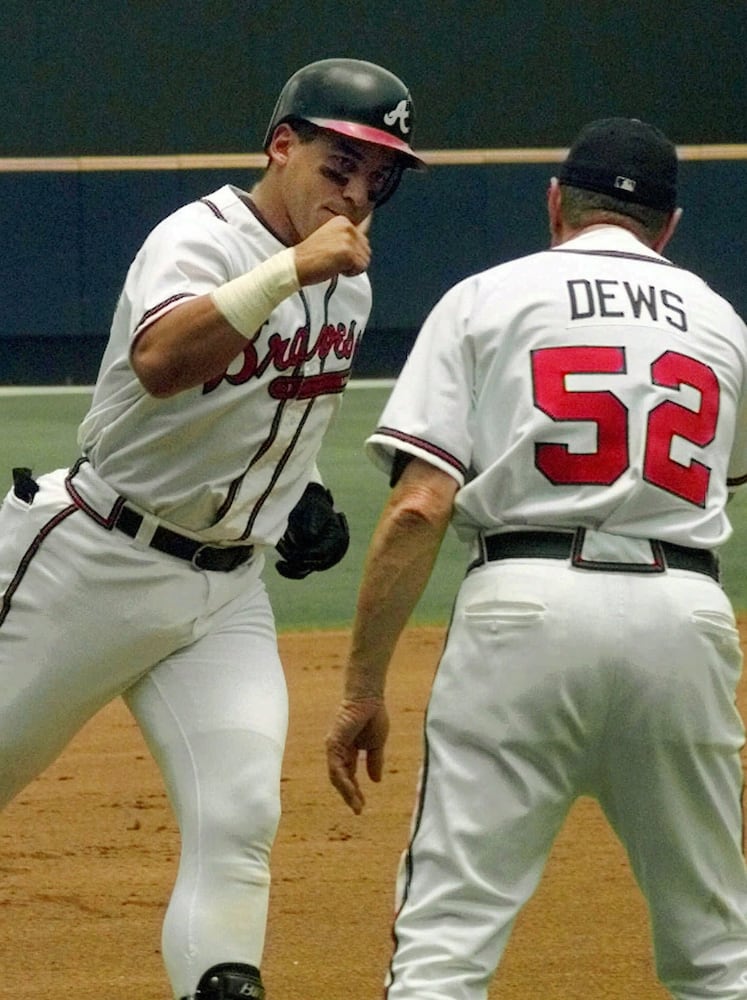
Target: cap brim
368, 134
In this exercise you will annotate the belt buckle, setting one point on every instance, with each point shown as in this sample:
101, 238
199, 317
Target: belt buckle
195, 560
228, 559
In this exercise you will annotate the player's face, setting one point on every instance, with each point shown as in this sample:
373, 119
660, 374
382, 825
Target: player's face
334, 175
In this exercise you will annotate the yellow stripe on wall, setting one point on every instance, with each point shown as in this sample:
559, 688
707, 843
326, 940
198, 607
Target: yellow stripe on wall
230, 161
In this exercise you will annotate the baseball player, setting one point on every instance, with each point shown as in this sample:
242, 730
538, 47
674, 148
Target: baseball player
138, 571
579, 415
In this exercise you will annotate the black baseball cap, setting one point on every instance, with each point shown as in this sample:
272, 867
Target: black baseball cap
625, 158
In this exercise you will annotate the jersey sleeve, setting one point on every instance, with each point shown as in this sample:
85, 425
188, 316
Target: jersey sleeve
180, 259
428, 414
737, 470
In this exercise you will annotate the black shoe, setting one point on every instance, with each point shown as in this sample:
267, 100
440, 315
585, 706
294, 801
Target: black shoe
230, 982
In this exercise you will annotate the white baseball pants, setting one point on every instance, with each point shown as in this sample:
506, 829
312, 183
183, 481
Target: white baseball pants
556, 683
87, 615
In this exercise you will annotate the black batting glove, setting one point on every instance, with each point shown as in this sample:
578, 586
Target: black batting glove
317, 536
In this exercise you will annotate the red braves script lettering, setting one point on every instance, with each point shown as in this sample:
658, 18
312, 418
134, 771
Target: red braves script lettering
621, 300
284, 353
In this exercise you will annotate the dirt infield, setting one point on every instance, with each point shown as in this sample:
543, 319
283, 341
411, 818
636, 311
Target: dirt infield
88, 855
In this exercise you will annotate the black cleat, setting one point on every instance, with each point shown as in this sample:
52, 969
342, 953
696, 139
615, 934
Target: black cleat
231, 982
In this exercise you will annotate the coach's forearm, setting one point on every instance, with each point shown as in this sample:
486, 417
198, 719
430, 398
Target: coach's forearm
398, 566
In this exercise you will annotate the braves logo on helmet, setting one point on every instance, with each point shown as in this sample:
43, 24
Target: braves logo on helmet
400, 114
353, 98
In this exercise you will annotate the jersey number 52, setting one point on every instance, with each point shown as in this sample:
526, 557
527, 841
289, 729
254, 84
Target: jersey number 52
667, 420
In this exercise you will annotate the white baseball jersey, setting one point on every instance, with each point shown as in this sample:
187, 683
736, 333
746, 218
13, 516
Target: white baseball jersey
193, 651
227, 460
594, 385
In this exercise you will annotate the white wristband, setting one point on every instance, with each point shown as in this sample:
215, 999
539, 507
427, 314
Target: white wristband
248, 300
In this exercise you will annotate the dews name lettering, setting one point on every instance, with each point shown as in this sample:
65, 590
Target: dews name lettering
606, 298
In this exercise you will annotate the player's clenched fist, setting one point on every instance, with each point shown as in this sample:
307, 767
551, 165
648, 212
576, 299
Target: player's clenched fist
358, 725
337, 247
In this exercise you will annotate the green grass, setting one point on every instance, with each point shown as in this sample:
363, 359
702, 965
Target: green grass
39, 431
360, 489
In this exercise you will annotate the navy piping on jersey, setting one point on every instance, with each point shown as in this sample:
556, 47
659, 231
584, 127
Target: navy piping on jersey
28, 555
324, 380
310, 387
105, 522
615, 253
408, 861
161, 305
432, 449
247, 201
180, 295
277, 472
233, 489
311, 381
214, 209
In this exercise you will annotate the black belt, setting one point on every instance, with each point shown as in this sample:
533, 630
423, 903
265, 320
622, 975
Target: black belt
220, 559
561, 545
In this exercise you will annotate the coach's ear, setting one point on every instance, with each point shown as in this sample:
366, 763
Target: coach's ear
554, 212
668, 230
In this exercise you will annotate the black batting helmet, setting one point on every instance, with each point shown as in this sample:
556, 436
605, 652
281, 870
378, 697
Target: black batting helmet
355, 98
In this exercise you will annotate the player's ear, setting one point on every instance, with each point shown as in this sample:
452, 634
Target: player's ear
280, 144
668, 230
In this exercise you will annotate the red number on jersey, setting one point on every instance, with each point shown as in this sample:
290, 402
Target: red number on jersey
668, 420
550, 368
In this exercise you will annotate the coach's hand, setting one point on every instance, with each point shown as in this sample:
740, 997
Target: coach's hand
358, 726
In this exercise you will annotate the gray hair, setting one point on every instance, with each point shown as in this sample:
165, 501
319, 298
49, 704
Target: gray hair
579, 206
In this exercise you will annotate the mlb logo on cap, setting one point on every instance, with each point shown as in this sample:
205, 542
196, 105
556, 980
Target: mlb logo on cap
625, 183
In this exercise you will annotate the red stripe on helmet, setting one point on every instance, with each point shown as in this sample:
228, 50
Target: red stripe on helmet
368, 134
